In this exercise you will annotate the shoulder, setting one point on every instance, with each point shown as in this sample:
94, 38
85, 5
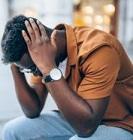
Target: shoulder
104, 58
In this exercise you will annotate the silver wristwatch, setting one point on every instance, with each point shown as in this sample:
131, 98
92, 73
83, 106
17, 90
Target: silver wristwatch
54, 75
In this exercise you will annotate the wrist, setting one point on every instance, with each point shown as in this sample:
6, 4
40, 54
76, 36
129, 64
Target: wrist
14, 67
46, 70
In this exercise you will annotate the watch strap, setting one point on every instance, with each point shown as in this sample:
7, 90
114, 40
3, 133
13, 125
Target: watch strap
47, 79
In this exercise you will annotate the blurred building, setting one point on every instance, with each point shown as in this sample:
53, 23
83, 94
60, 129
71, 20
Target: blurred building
100, 15
49, 11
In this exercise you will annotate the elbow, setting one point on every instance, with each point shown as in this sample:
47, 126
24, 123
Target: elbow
87, 132
32, 115
87, 128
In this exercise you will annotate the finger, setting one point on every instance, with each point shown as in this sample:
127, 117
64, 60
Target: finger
35, 28
30, 30
26, 38
43, 31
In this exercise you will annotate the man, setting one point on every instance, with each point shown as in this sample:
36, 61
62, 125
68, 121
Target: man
95, 97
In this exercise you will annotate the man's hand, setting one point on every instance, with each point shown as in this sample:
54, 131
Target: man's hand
41, 50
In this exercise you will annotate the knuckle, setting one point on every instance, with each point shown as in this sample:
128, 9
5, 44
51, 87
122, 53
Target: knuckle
35, 28
41, 27
25, 35
31, 32
28, 42
27, 24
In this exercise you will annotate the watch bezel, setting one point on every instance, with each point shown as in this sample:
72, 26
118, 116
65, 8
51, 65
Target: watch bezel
51, 76
55, 74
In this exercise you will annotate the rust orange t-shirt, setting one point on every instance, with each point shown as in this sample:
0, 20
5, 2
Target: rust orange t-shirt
97, 67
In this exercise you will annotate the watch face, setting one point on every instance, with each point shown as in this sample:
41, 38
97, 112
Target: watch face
55, 74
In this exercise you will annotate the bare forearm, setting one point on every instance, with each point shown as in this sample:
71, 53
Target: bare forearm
27, 97
73, 107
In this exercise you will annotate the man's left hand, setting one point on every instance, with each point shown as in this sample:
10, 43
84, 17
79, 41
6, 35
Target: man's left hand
40, 48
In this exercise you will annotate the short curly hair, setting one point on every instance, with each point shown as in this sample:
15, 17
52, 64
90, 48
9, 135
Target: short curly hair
12, 43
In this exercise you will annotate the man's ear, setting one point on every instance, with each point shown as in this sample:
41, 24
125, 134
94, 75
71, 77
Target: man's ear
53, 37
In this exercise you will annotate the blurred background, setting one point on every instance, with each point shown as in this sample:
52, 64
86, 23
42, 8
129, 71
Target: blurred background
112, 16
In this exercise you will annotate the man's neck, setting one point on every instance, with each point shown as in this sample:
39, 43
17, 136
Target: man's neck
61, 43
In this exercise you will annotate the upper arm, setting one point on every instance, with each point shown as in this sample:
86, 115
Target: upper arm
99, 107
100, 74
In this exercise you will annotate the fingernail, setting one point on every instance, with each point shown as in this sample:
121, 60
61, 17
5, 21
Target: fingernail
31, 20
26, 22
23, 31
38, 21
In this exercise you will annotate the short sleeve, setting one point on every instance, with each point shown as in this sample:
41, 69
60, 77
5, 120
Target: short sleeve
100, 72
